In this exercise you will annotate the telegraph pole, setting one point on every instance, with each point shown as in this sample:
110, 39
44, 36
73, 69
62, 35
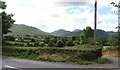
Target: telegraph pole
95, 22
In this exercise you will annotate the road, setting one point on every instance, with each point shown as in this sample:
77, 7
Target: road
16, 63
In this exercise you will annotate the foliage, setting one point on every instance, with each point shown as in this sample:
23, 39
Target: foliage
115, 5
47, 39
7, 22
88, 32
76, 43
32, 40
2, 5
85, 53
110, 48
13, 43
60, 43
113, 41
70, 43
82, 39
87, 36
74, 38
9, 38
51, 44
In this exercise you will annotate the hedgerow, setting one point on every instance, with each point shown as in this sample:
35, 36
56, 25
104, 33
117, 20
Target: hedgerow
71, 54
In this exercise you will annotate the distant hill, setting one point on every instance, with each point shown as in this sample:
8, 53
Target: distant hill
60, 32
101, 33
111, 33
77, 32
65, 33
21, 29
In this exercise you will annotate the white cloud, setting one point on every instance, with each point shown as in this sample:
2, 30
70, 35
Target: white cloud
39, 13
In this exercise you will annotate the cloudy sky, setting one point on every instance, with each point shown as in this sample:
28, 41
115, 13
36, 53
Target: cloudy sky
48, 15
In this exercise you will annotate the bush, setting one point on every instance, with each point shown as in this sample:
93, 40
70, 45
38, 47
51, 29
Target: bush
74, 54
70, 43
60, 43
30, 44
70, 54
10, 38
76, 43
110, 48
51, 44
32, 40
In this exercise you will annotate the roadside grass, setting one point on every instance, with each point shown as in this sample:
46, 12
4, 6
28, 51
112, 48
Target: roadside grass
111, 51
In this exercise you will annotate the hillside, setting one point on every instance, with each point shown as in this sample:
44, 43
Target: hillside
77, 32
65, 33
21, 29
60, 32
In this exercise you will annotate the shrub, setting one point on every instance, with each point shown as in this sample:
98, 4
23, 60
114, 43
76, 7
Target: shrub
10, 38
32, 40
51, 44
70, 43
71, 54
76, 43
60, 43
110, 48
30, 44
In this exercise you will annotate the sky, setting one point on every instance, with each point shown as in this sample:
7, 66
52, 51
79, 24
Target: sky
48, 15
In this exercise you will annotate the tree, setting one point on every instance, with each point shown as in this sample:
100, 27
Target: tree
7, 20
47, 39
82, 39
33, 40
10, 38
87, 35
118, 12
113, 41
69, 43
2, 5
60, 43
73, 38
51, 43
88, 32
115, 5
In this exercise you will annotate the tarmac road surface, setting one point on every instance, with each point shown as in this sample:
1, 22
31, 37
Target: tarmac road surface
19, 64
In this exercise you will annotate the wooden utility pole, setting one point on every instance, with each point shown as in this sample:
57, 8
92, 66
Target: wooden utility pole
95, 22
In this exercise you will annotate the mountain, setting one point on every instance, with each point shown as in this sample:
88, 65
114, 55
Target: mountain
111, 33
21, 29
65, 33
77, 32
60, 32
101, 33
